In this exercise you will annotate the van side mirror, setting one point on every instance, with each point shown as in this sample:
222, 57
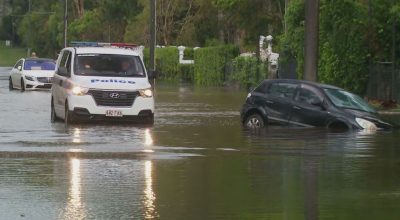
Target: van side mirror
62, 71
19, 68
152, 74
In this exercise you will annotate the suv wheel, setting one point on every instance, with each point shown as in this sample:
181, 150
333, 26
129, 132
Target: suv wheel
254, 121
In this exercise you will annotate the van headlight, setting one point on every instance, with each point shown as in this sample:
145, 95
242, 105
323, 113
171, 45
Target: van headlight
365, 124
78, 90
146, 93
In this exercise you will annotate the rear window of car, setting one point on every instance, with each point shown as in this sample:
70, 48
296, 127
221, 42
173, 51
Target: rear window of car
283, 90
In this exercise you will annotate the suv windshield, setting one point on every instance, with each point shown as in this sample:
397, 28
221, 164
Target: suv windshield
343, 99
39, 65
108, 65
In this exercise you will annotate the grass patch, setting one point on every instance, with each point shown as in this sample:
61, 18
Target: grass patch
10, 55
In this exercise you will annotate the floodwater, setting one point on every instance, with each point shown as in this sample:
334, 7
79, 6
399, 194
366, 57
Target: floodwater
196, 162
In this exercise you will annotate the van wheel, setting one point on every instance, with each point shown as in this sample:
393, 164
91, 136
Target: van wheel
149, 120
54, 117
254, 121
22, 85
69, 116
10, 84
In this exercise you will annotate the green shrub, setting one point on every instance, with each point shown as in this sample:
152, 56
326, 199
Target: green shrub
167, 64
248, 71
186, 72
210, 64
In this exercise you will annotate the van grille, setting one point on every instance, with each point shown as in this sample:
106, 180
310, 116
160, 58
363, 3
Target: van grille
113, 98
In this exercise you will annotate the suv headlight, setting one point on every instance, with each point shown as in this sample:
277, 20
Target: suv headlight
30, 78
77, 90
365, 124
146, 93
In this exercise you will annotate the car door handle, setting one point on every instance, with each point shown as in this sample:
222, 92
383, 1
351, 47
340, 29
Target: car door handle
296, 107
269, 102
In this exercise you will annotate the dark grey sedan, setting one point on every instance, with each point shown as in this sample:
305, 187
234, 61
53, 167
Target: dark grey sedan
308, 104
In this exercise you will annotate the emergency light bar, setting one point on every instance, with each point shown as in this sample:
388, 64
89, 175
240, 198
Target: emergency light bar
101, 44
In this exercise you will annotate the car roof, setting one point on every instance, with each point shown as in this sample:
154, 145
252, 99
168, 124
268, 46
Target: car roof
320, 85
105, 50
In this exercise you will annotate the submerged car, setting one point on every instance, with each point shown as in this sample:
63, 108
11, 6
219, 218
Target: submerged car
32, 73
308, 104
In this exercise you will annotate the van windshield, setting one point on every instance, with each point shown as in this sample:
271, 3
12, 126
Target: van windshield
344, 99
108, 65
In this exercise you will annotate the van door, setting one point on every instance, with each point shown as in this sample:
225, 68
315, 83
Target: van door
60, 82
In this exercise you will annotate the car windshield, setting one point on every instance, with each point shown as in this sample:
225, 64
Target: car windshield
109, 65
343, 99
39, 65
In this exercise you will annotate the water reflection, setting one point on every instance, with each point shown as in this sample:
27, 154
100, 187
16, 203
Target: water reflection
75, 208
149, 196
148, 139
76, 136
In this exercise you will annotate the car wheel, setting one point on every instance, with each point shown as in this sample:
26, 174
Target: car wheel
10, 84
254, 121
22, 85
69, 117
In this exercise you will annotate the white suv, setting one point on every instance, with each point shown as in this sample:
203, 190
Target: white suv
101, 83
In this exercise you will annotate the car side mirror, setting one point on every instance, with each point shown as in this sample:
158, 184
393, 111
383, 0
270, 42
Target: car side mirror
318, 103
62, 71
19, 68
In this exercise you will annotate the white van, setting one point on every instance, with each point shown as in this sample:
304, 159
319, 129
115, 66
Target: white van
101, 83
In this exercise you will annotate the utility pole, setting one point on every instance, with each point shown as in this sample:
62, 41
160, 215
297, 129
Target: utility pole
30, 28
152, 66
65, 22
394, 77
311, 40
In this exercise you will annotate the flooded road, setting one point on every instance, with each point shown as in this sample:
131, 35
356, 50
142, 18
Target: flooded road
196, 162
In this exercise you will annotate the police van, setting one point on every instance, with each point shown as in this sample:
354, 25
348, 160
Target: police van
101, 81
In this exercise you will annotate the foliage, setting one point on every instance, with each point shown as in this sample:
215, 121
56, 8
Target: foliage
291, 43
343, 47
352, 33
210, 64
343, 57
167, 64
89, 27
248, 71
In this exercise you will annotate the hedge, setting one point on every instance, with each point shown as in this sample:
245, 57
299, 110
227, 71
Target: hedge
248, 71
167, 64
210, 64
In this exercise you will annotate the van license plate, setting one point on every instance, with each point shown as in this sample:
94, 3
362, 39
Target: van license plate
114, 113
